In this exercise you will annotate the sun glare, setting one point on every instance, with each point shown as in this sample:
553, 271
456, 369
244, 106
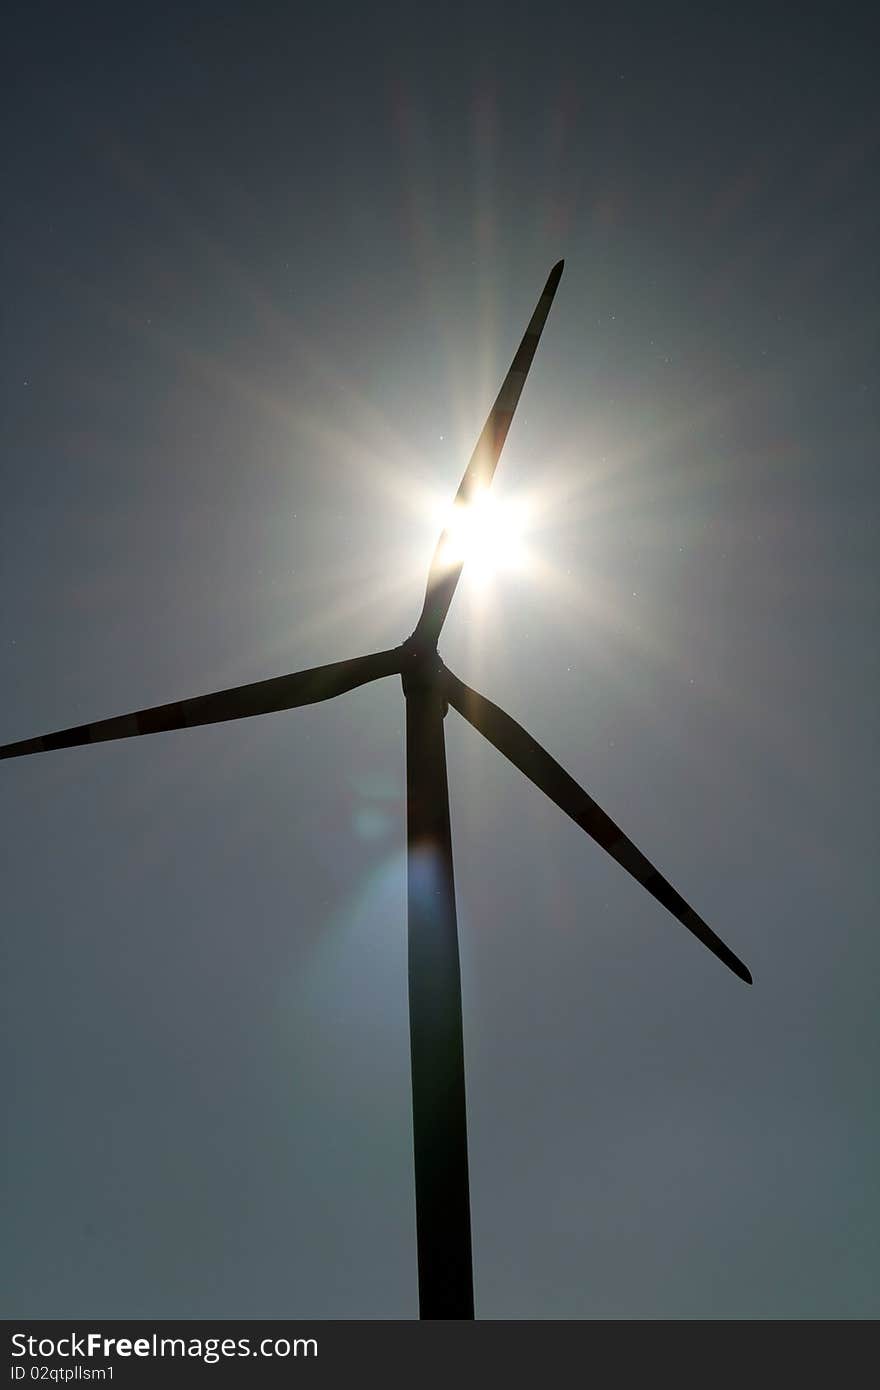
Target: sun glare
485, 535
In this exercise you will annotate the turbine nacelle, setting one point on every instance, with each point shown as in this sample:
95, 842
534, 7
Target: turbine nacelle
420, 665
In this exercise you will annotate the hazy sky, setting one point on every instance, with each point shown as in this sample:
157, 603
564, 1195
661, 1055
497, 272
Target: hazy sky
263, 268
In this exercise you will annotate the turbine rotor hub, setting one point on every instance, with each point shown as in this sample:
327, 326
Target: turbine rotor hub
420, 667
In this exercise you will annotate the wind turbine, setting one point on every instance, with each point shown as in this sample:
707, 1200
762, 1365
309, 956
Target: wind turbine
437, 1053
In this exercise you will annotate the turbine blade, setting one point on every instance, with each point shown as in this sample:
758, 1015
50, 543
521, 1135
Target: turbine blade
528, 755
262, 697
443, 578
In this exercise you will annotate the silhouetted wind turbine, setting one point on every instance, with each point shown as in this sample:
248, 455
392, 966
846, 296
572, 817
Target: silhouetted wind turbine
439, 1118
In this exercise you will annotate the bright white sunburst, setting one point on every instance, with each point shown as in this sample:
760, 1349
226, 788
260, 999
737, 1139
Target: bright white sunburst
485, 535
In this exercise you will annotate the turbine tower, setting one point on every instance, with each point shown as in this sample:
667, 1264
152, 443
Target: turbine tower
439, 1116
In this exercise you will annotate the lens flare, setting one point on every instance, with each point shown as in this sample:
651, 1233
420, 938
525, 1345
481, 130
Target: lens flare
485, 535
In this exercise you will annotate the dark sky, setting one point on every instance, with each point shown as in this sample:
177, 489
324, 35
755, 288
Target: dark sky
263, 268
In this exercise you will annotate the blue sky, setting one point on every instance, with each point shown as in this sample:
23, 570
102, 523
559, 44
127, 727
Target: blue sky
262, 274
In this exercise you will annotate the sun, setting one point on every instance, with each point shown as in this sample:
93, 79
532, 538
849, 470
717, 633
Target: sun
484, 535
